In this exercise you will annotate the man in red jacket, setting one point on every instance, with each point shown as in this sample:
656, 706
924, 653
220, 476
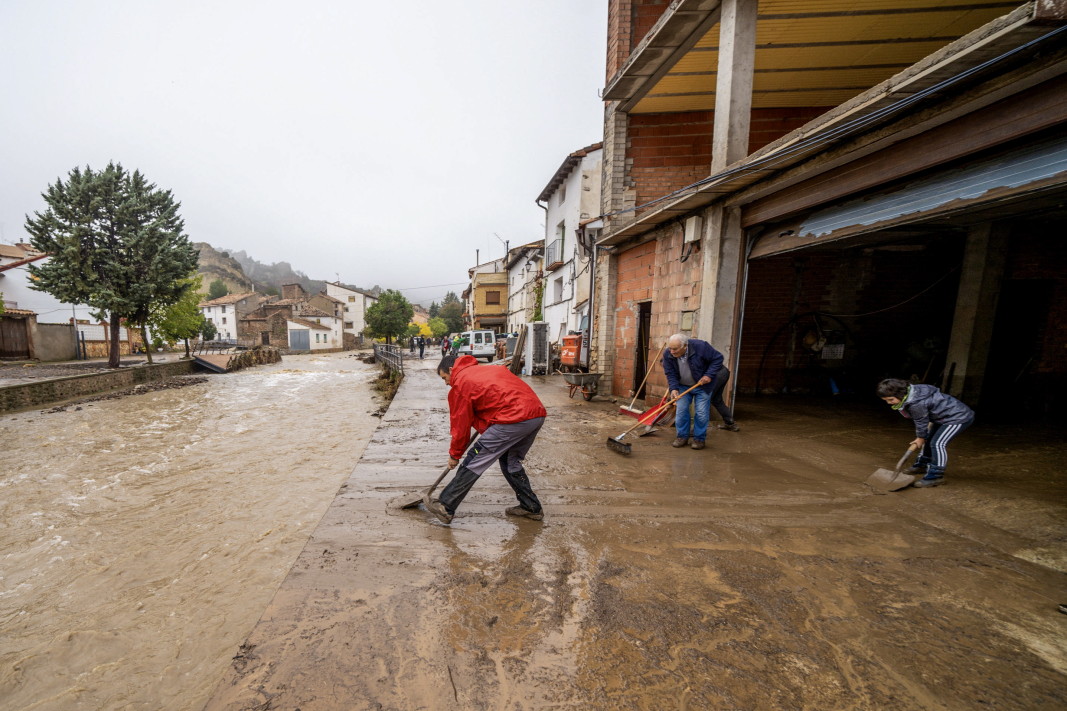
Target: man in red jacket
507, 414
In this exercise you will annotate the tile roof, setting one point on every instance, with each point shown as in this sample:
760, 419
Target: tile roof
228, 299
310, 324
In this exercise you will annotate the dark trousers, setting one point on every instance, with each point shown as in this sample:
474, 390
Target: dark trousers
507, 444
718, 386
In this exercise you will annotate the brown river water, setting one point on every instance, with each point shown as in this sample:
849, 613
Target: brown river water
143, 537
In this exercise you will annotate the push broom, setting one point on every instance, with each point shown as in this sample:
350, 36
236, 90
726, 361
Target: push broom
630, 409
647, 419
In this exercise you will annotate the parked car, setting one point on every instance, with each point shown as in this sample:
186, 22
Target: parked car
480, 344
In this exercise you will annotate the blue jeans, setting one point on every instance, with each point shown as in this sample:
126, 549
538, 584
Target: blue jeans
701, 400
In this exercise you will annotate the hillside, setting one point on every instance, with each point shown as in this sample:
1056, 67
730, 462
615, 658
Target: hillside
220, 265
241, 273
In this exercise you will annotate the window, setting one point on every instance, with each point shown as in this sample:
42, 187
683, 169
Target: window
224, 320
562, 193
557, 290
351, 300
346, 309
492, 297
349, 324
223, 309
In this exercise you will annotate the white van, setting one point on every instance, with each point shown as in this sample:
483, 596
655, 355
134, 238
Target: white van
480, 344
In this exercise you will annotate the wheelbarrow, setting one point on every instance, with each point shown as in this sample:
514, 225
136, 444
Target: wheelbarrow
585, 382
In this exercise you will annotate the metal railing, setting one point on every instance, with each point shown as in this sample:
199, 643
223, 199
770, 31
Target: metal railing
390, 356
554, 254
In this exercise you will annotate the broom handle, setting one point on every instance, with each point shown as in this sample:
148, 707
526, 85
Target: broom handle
659, 409
646, 376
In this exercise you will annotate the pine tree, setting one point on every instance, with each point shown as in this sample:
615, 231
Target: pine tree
434, 309
452, 312
217, 289
115, 242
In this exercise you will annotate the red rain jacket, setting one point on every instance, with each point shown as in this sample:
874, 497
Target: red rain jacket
486, 395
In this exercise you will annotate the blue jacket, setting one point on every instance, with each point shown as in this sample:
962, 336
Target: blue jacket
703, 360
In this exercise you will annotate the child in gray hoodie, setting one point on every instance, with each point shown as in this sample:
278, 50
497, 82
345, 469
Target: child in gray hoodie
938, 418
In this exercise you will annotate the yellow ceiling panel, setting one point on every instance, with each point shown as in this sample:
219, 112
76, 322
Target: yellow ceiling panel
770, 81
869, 28
846, 56
846, 46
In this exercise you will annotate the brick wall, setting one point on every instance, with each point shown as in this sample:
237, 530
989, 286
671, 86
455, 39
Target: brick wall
669, 151
653, 271
645, 14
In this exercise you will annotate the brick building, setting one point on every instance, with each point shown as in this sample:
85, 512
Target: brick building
832, 197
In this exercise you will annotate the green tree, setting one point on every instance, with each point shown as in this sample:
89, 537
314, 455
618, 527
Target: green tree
115, 242
452, 312
182, 320
217, 289
389, 316
208, 330
434, 309
438, 327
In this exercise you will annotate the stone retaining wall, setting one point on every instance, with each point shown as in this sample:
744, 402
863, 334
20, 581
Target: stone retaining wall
24, 396
260, 355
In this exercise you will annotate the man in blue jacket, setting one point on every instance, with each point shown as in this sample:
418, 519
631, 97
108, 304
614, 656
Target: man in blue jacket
687, 362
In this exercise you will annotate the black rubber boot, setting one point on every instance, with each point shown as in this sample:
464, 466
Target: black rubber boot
457, 489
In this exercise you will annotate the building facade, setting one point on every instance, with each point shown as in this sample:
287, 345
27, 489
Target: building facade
828, 203
570, 199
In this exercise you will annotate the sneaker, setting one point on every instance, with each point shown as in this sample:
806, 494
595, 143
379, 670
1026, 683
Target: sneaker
731, 426
928, 481
697, 444
438, 509
520, 511
680, 442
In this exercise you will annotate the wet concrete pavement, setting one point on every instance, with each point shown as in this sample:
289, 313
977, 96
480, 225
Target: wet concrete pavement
759, 573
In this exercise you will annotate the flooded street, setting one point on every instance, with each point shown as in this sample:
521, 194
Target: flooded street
144, 536
757, 574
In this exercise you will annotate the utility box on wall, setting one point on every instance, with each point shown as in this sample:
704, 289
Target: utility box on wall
693, 226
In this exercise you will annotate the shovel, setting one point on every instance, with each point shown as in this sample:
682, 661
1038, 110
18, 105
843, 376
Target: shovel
646, 421
416, 499
885, 480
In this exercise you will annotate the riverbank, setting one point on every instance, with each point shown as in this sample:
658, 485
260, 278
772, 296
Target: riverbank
759, 573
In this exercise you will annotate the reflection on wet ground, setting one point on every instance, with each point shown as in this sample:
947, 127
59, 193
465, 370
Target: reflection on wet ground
143, 536
759, 573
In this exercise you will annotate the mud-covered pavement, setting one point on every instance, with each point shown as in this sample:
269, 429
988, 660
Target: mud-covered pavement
759, 573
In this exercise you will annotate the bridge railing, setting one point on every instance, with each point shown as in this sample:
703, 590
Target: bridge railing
391, 356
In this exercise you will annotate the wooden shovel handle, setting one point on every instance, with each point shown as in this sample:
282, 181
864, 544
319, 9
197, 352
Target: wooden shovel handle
907, 453
654, 361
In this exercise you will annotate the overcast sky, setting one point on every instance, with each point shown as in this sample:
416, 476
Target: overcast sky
381, 142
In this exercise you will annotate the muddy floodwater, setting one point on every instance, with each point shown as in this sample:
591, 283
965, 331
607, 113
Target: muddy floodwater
143, 537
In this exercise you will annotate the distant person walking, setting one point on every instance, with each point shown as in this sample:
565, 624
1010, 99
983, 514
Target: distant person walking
446, 343
422, 347
411, 345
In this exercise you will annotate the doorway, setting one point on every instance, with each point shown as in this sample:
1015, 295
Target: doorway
641, 345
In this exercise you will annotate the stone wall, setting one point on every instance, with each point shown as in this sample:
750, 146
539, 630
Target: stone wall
256, 356
26, 396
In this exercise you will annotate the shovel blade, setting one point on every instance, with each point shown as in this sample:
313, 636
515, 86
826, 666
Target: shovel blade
886, 480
